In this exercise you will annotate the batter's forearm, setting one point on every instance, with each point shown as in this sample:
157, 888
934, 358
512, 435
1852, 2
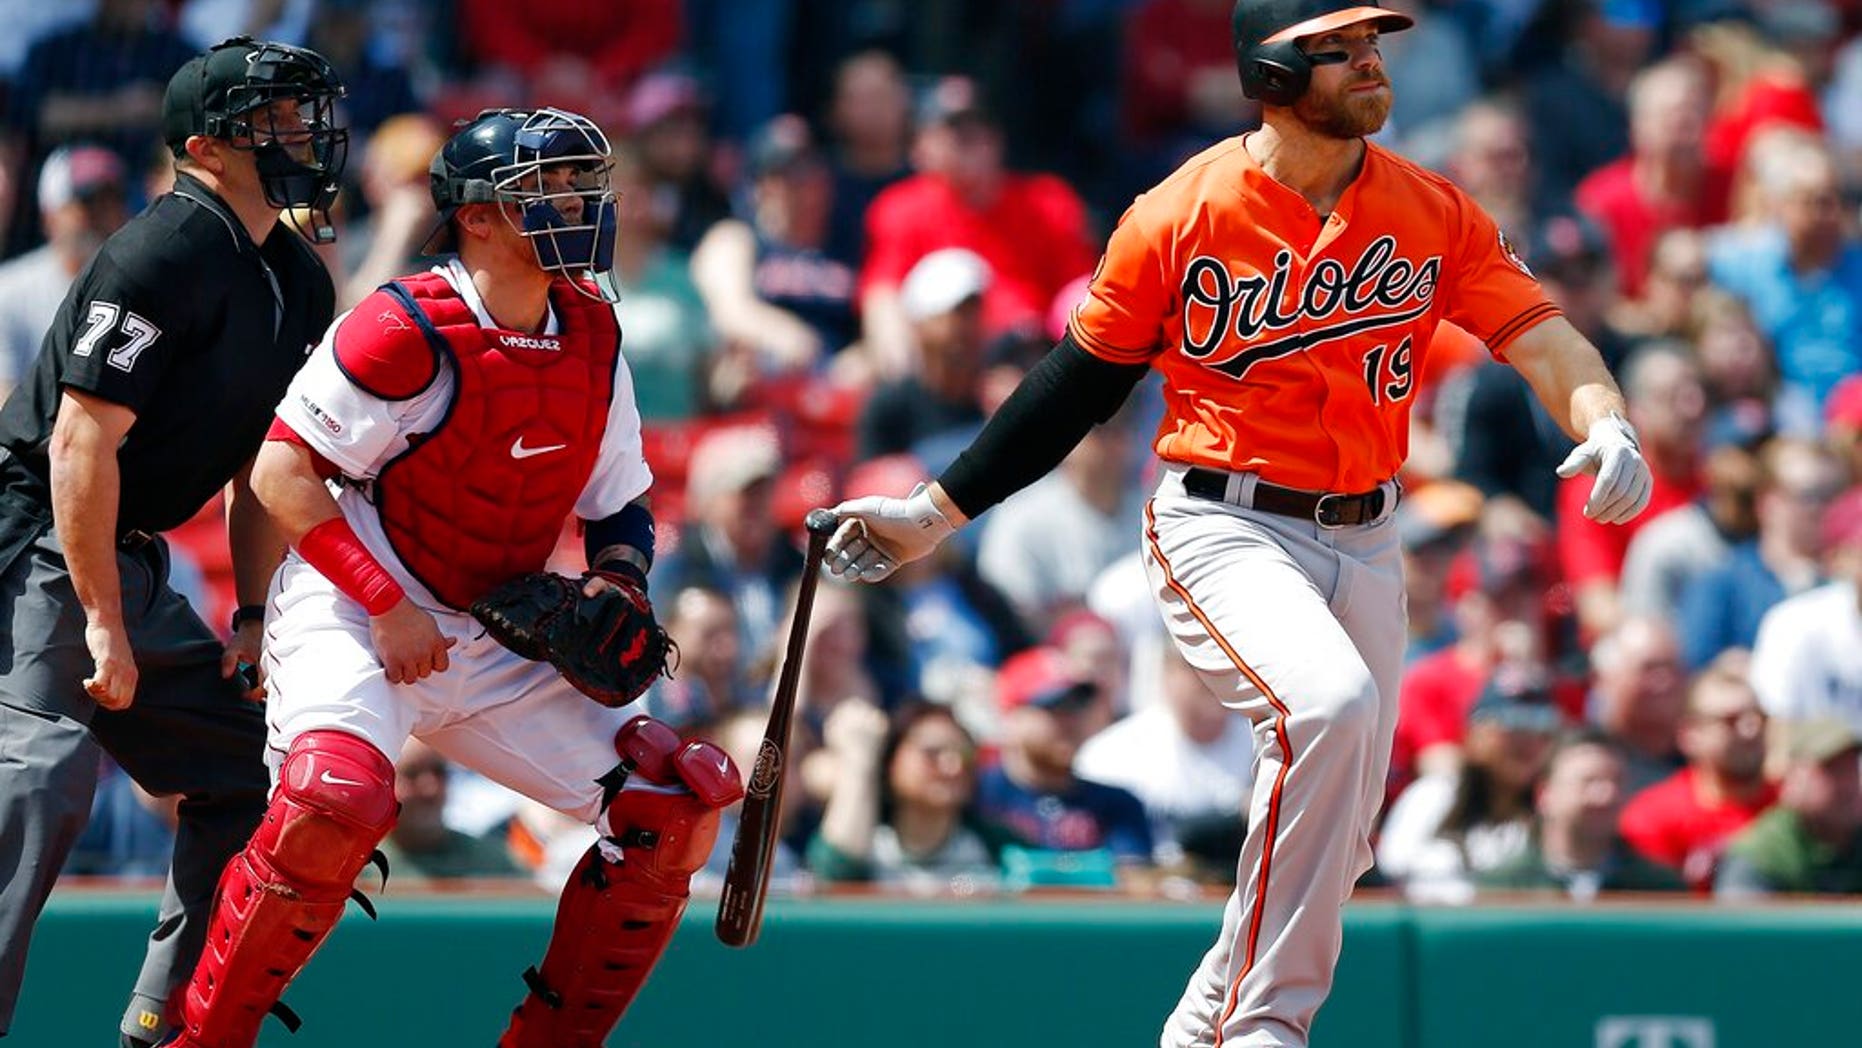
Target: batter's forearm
86, 485
256, 541
1567, 374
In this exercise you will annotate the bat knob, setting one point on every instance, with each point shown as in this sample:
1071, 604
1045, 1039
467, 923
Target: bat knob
822, 521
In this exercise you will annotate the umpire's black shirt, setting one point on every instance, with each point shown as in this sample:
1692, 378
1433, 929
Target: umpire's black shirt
186, 322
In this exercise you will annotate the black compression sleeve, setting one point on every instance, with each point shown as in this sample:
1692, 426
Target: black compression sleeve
1065, 395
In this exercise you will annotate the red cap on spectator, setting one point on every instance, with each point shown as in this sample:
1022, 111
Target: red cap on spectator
1842, 521
1043, 678
1075, 622
1844, 406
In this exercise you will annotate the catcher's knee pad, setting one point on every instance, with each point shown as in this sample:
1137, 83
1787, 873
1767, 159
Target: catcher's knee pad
624, 899
279, 898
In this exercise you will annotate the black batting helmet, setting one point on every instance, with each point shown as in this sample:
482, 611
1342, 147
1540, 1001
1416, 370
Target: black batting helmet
1272, 68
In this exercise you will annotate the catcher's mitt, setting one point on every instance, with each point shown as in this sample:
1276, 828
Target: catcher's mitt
609, 646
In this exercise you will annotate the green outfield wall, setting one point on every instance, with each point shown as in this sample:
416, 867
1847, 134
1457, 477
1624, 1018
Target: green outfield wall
443, 970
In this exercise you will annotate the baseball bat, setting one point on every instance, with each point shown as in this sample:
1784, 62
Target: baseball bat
746, 880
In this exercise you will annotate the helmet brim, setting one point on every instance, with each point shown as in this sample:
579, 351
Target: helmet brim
1388, 21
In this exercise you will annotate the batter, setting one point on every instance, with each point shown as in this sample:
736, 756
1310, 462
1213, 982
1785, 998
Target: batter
1287, 283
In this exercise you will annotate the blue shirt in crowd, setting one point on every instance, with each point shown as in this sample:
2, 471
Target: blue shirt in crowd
1721, 607
1814, 320
1088, 815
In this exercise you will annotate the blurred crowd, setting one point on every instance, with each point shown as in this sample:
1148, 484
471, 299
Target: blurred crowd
849, 226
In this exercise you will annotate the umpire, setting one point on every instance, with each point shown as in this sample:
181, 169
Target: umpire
153, 390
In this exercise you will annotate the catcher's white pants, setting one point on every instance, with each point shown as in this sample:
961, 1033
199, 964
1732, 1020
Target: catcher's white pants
1302, 628
515, 721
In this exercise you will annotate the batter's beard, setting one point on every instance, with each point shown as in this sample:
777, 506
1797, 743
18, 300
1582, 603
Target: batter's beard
1344, 115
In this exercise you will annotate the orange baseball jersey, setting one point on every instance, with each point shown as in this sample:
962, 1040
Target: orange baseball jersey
1289, 345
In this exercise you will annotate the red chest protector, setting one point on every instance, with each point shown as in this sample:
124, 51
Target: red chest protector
482, 498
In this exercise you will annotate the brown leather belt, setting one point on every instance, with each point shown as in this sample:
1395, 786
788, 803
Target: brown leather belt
1326, 509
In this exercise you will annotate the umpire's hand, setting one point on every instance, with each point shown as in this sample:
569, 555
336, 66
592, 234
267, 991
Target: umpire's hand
113, 682
1623, 483
876, 535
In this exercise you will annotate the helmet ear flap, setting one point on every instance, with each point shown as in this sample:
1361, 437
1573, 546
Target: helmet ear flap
1276, 74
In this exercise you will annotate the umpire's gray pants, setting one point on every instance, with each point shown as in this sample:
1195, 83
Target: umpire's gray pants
189, 732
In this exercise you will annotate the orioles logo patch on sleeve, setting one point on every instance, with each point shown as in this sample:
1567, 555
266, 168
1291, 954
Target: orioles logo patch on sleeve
1506, 248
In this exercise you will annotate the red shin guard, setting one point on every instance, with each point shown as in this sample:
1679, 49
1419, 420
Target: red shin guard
279, 898
615, 918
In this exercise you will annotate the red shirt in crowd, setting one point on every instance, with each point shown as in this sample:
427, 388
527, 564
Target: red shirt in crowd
1668, 823
618, 40
1589, 551
1611, 197
1433, 704
1033, 237
1168, 44
1765, 101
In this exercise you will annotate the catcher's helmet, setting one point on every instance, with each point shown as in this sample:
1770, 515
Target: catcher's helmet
224, 94
500, 157
1272, 68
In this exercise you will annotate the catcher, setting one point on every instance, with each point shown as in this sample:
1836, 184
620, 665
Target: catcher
460, 416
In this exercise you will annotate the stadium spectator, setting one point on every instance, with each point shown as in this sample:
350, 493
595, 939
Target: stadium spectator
1093, 648
833, 668
609, 45
1842, 415
668, 331
81, 202
1685, 821
665, 116
1435, 62
378, 82
207, 22
421, 847
1722, 606
731, 543
741, 735
1033, 791
1811, 842
1474, 815
386, 242
710, 682
1178, 91
130, 833
1091, 501
1575, 103
1189, 760
870, 137
1638, 698
1496, 593
937, 629
99, 81
1574, 847
1435, 523
1748, 401
1801, 272
1491, 160
1807, 661
766, 277
1670, 294
1031, 229
1688, 541
942, 298
902, 814
1666, 181
1763, 69
1667, 405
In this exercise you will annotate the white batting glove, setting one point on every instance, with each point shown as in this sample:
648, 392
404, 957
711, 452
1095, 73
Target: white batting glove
876, 535
1623, 482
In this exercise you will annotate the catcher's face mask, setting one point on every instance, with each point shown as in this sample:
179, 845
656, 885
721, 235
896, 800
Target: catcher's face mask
561, 188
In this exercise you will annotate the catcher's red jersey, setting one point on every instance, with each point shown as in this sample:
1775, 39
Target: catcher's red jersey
1290, 344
